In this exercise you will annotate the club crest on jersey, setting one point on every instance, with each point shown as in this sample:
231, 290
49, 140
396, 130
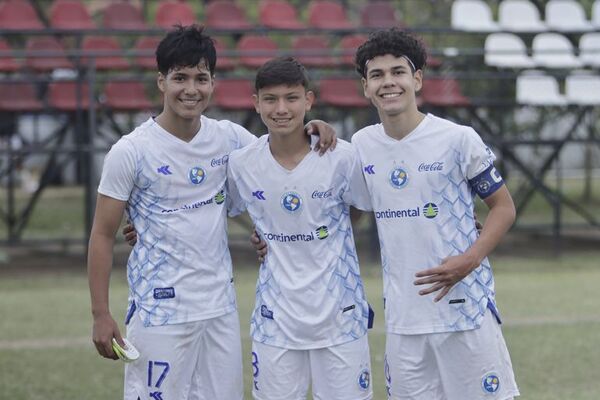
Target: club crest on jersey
291, 202
197, 175
398, 178
490, 383
364, 379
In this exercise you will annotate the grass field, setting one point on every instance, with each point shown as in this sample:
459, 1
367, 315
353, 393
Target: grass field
550, 306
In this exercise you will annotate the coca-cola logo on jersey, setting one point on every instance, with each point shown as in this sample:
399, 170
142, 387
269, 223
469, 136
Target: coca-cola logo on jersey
434, 166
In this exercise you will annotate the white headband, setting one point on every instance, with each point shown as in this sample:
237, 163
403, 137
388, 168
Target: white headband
403, 56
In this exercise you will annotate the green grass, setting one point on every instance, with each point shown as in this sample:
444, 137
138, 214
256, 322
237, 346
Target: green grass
550, 307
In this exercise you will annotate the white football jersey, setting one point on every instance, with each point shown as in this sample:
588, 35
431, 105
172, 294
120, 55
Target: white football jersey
423, 205
309, 292
180, 268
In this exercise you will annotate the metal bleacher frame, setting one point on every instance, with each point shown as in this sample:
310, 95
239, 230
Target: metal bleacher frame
487, 113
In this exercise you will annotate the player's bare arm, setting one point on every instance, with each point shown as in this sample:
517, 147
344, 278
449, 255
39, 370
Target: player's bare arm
259, 245
453, 269
327, 136
100, 258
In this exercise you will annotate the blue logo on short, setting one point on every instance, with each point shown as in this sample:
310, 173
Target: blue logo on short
398, 178
364, 379
197, 175
265, 312
164, 293
291, 202
490, 383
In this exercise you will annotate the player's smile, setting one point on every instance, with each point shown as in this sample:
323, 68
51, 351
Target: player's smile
391, 83
282, 107
187, 91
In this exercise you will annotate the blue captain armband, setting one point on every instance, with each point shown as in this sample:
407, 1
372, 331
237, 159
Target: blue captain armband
487, 182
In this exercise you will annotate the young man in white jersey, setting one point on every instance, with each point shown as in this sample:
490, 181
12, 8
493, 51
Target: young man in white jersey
309, 325
169, 176
422, 173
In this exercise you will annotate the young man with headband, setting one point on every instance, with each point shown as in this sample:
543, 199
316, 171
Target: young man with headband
309, 325
169, 176
422, 173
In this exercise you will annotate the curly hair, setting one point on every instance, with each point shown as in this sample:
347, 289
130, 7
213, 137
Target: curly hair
390, 41
186, 46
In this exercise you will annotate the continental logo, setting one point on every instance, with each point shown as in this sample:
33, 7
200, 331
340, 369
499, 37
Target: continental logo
322, 232
429, 211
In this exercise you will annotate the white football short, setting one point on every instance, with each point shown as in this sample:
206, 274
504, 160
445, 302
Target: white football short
199, 360
341, 372
472, 365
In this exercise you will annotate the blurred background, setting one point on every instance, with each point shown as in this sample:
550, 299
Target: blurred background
77, 75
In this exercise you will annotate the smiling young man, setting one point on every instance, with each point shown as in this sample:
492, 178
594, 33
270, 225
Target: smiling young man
309, 325
169, 176
422, 173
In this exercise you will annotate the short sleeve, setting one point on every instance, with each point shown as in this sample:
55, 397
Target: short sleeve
118, 172
476, 156
235, 203
357, 193
241, 136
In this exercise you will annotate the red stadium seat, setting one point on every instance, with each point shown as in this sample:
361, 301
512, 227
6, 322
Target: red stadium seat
234, 94
126, 96
254, 50
122, 15
279, 14
19, 97
146, 44
348, 46
7, 62
62, 96
313, 51
70, 14
341, 93
174, 12
97, 46
46, 53
223, 14
19, 14
379, 14
328, 14
443, 92
224, 62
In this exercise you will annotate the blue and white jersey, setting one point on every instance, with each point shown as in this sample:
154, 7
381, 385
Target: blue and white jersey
309, 293
180, 268
422, 190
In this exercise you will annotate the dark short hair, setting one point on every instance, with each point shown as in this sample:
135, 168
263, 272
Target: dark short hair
281, 71
390, 41
186, 46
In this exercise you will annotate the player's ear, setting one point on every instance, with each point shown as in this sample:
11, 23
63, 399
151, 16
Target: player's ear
160, 82
363, 81
310, 99
256, 101
418, 77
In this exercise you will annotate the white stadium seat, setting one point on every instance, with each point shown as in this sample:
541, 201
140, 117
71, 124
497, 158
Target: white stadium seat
583, 88
566, 16
596, 14
589, 49
553, 50
472, 15
520, 16
536, 88
506, 50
